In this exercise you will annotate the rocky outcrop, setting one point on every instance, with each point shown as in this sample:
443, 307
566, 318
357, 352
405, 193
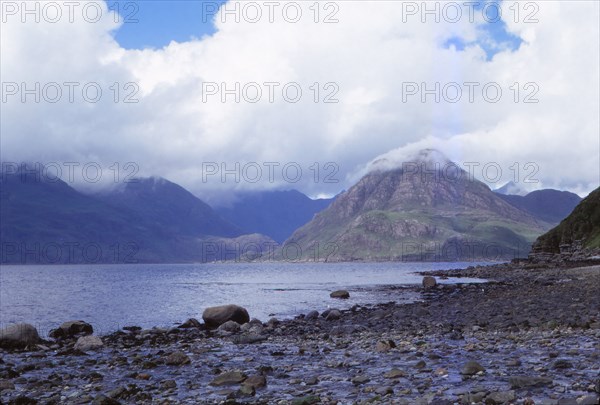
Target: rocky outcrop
216, 316
19, 335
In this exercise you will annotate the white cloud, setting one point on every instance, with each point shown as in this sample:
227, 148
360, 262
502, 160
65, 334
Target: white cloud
369, 54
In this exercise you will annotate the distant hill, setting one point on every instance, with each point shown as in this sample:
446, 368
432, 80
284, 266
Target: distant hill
582, 224
167, 205
417, 215
152, 221
548, 205
276, 214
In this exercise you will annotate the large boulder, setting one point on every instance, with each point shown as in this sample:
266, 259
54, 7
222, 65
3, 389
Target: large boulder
18, 336
71, 328
216, 316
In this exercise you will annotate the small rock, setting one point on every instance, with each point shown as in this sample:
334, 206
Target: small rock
341, 294
472, 368
517, 382
190, 323
228, 378
104, 400
87, 343
429, 282
500, 397
333, 315
361, 379
311, 315
395, 373
168, 384
246, 391
588, 400
307, 400
177, 358
256, 381
562, 364
6, 385
311, 381
229, 327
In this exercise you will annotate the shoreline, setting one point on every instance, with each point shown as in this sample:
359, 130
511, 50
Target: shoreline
532, 332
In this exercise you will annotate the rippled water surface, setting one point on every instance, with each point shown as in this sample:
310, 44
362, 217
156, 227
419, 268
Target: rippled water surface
112, 296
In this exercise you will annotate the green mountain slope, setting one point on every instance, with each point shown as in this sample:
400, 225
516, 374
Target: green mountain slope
582, 224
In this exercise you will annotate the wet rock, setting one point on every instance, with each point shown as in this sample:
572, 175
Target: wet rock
229, 327
248, 339
361, 379
71, 328
500, 397
216, 316
588, 400
333, 315
384, 346
429, 282
88, 343
311, 315
104, 400
23, 400
562, 364
246, 391
311, 381
472, 368
6, 385
517, 382
177, 359
395, 373
341, 294
228, 378
256, 381
190, 323
18, 336
168, 384
307, 400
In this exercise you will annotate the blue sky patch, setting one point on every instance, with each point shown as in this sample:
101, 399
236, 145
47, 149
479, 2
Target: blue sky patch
155, 23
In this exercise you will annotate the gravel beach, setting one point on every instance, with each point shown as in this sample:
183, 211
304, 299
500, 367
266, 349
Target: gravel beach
531, 335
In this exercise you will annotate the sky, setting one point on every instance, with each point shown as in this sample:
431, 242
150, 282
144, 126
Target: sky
226, 97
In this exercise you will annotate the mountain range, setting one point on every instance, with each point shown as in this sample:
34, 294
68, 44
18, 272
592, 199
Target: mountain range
389, 214
147, 220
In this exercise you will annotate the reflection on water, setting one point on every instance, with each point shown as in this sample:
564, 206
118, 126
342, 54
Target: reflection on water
112, 296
